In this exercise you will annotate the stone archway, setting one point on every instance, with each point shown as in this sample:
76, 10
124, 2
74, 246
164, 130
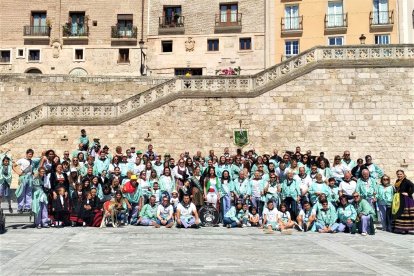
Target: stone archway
78, 72
33, 71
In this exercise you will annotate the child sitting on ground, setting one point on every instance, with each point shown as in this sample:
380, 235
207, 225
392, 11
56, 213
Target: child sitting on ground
285, 222
254, 218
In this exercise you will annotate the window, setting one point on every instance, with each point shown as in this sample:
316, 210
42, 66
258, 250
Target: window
38, 24
380, 14
382, 39
79, 55
229, 13
5, 56
245, 43
33, 55
336, 41
335, 14
292, 17
291, 48
172, 17
123, 56
212, 45
125, 25
20, 53
167, 46
77, 24
190, 71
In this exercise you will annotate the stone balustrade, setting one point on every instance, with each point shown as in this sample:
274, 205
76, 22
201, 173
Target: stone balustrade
206, 86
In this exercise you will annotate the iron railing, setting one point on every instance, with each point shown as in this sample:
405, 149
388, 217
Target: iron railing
36, 31
292, 23
228, 19
124, 32
176, 21
381, 18
336, 20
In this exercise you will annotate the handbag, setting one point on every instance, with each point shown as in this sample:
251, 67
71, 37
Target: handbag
396, 203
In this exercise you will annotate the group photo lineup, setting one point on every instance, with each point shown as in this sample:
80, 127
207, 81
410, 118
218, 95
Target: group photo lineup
93, 186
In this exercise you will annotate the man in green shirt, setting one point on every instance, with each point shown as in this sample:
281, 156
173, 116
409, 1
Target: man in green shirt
365, 214
148, 214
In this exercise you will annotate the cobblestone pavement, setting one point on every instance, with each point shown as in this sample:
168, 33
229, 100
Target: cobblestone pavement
211, 251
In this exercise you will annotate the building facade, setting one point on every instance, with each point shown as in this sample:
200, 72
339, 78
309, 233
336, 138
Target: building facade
114, 37
71, 37
302, 24
406, 20
205, 37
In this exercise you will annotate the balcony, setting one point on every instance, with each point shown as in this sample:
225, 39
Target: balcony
292, 26
36, 31
228, 23
171, 25
381, 20
75, 35
336, 23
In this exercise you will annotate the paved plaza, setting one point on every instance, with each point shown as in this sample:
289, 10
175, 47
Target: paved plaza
207, 251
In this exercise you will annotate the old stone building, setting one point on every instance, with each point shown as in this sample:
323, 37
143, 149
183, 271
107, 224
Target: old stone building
205, 36
114, 37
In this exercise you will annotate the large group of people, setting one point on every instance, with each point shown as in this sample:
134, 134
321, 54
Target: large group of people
92, 186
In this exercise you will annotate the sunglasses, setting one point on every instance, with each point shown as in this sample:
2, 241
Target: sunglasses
356, 196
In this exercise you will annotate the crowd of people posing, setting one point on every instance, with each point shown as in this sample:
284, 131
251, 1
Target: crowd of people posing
93, 187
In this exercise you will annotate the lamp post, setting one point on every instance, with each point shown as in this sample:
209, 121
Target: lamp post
143, 56
362, 39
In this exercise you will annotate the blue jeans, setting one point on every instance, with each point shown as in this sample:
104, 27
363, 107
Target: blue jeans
225, 205
386, 217
228, 221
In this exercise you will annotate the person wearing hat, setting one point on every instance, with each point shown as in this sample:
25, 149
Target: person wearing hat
231, 218
133, 195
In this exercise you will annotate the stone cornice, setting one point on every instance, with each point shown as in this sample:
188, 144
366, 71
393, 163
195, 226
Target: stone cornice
208, 87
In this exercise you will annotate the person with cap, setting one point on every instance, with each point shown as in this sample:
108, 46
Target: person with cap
165, 214
148, 213
232, 217
270, 217
132, 193
186, 214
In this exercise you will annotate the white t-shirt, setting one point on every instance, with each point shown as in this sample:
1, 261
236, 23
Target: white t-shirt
187, 212
256, 188
25, 165
164, 212
284, 216
271, 215
348, 188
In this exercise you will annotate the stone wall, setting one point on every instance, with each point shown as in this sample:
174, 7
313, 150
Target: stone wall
15, 90
320, 111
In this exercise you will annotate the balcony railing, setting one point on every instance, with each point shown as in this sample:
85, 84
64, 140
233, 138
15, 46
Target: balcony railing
381, 18
36, 31
228, 23
124, 32
226, 20
334, 21
75, 31
292, 24
171, 21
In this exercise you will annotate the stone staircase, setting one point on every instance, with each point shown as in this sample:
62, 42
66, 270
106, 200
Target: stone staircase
84, 114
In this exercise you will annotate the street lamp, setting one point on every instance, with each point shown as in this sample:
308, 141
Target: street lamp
362, 39
143, 56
